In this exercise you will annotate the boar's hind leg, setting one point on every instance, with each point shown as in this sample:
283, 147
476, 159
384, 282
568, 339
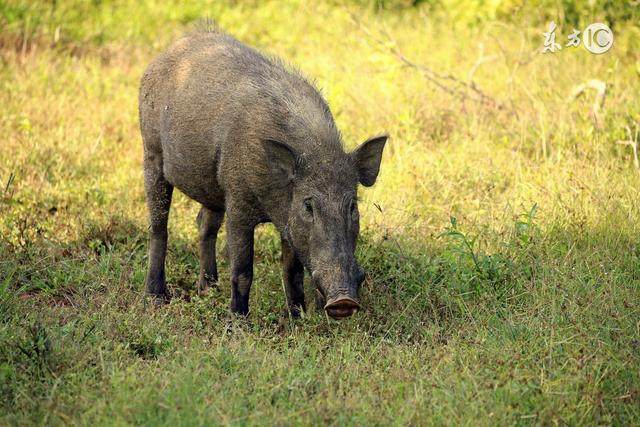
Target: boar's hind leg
240, 247
293, 272
159, 193
209, 223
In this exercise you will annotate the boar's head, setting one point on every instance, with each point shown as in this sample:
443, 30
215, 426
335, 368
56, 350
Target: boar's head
322, 220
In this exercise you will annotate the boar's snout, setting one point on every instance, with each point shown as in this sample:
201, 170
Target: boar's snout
342, 301
341, 306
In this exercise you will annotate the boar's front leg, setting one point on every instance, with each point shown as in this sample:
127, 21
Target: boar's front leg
209, 223
240, 247
293, 272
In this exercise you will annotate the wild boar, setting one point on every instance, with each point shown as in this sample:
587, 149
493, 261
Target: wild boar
248, 138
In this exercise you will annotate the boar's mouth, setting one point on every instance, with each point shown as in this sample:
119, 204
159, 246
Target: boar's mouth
341, 307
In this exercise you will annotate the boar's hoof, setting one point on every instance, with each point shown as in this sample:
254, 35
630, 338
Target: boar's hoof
341, 307
206, 287
160, 299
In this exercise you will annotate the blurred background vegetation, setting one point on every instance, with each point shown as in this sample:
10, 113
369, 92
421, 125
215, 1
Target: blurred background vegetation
501, 241
100, 21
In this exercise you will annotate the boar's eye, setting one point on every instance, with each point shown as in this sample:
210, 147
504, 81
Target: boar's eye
308, 206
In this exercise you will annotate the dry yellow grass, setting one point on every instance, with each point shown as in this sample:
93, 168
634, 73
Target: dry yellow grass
515, 314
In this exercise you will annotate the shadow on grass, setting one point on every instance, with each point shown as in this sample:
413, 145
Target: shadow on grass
411, 285
113, 253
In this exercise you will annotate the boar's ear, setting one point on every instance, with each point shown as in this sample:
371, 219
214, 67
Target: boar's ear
367, 159
281, 160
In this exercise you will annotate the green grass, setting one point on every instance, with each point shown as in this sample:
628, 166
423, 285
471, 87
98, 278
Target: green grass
501, 246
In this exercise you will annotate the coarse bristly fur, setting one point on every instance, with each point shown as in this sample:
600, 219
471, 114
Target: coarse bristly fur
250, 139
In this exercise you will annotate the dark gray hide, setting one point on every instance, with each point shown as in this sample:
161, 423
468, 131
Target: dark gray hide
243, 136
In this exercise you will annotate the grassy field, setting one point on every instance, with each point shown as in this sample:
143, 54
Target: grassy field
500, 241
